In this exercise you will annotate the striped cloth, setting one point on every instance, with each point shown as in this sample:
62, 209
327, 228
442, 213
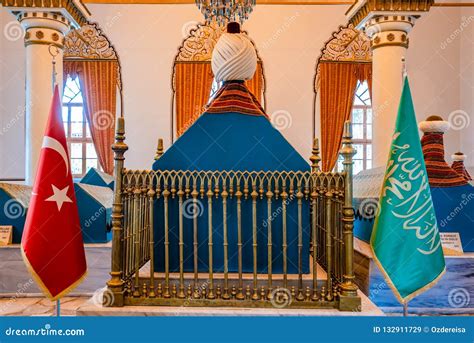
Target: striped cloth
234, 97
458, 166
440, 174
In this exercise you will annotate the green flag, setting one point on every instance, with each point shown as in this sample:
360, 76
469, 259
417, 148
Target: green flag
405, 239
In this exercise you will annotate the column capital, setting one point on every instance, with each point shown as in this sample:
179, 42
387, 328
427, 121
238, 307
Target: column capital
363, 11
72, 12
389, 30
44, 28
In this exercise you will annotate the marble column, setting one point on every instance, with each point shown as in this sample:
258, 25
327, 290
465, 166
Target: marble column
389, 38
45, 23
387, 24
44, 32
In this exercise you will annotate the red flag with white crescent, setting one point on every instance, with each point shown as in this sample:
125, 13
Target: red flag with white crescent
51, 244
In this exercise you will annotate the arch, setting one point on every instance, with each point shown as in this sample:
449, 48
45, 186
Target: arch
346, 45
90, 43
196, 49
89, 54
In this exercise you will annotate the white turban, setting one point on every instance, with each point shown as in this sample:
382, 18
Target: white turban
234, 58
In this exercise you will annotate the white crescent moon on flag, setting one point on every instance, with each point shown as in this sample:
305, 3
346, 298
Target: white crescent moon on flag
51, 143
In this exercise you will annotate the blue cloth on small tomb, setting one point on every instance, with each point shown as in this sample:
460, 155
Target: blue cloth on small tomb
454, 208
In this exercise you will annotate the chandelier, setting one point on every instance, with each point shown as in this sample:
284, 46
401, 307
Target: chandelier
224, 11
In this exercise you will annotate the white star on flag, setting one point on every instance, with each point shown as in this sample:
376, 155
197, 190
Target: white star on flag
59, 196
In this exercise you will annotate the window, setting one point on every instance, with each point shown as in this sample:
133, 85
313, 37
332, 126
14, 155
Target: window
214, 89
361, 129
78, 136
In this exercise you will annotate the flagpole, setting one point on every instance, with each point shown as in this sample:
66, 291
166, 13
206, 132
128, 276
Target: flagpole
53, 54
53, 79
404, 69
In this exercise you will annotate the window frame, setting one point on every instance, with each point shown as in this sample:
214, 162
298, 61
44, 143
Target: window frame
83, 140
363, 141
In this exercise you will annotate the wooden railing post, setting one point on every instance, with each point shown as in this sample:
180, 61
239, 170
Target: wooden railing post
348, 301
115, 284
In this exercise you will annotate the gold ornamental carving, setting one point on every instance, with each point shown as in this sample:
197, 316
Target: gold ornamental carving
74, 8
198, 46
88, 42
346, 45
381, 6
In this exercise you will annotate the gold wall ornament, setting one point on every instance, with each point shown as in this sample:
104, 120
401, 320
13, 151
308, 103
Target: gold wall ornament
359, 14
55, 37
90, 43
347, 44
74, 10
200, 42
39, 34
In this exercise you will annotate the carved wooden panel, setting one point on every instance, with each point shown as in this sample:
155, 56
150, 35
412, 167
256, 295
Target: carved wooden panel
348, 45
88, 42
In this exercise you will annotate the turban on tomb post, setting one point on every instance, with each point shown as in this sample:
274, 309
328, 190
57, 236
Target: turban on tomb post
440, 174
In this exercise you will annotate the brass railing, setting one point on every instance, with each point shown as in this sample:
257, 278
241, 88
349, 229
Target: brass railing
141, 196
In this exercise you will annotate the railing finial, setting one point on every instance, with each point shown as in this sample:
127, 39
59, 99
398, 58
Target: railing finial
348, 299
115, 284
315, 158
159, 149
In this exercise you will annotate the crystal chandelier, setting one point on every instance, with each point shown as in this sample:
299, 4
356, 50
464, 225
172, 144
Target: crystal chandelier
224, 11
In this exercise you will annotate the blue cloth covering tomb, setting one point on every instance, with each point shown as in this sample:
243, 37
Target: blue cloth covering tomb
94, 204
233, 134
95, 210
454, 207
98, 178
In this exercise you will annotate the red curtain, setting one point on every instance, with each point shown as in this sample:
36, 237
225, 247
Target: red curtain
98, 81
255, 85
338, 83
193, 83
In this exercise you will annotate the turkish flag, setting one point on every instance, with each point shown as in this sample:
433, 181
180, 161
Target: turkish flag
52, 244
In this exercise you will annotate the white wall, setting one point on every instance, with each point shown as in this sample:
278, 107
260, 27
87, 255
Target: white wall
147, 50
466, 76
12, 97
289, 39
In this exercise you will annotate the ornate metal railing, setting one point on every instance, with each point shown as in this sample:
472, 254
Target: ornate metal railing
322, 202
